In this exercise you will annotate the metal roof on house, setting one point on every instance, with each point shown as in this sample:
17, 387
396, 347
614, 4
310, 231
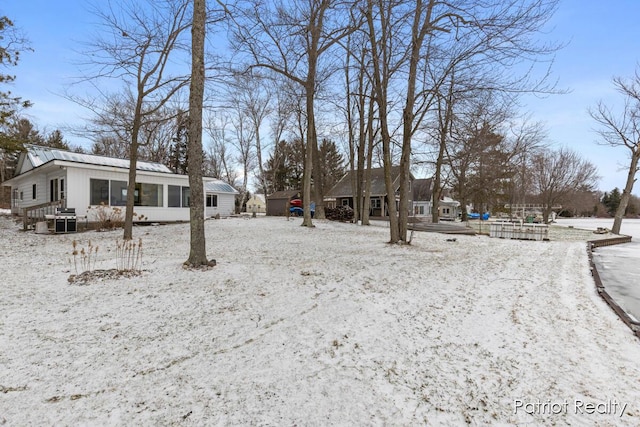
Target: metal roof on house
38, 156
217, 186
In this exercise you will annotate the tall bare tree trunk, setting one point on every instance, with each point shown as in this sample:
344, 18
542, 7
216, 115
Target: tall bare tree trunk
308, 158
380, 83
133, 162
318, 185
366, 200
626, 193
198, 250
445, 120
263, 180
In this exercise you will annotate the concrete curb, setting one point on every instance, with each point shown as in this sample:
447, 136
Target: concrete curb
591, 246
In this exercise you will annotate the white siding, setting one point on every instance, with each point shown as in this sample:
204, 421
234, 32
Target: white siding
25, 186
80, 192
77, 190
426, 206
226, 206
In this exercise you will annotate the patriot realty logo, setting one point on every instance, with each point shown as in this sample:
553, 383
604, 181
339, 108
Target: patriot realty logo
580, 407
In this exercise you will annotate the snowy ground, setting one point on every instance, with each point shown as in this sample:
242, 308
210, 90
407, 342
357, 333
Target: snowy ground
323, 326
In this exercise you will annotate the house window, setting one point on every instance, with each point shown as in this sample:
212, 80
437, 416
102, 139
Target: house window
54, 190
186, 197
148, 195
418, 210
345, 202
99, 189
174, 196
212, 200
179, 197
375, 203
34, 193
62, 193
118, 193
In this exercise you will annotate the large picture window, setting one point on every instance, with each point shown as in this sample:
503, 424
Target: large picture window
99, 189
114, 193
148, 194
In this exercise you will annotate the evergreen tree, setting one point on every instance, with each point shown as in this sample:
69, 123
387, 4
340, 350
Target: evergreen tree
285, 166
179, 150
10, 44
611, 201
331, 163
56, 140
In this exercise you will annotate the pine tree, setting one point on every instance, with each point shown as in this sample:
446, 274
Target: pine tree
611, 201
179, 149
10, 43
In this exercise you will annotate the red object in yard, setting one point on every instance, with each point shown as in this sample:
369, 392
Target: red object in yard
296, 202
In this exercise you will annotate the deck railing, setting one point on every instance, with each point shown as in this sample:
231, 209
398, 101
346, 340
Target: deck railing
37, 213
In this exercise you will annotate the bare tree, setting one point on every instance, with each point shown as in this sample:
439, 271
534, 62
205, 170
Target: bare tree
198, 247
221, 163
140, 39
243, 141
556, 174
380, 31
289, 39
622, 130
418, 46
252, 96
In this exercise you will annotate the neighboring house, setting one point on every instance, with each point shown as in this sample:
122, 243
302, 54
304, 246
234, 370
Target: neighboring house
256, 204
422, 197
50, 176
342, 192
279, 202
448, 209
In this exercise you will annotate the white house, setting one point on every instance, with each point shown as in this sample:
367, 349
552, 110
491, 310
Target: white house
256, 204
81, 181
448, 209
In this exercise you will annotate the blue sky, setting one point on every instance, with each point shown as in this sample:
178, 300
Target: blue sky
602, 42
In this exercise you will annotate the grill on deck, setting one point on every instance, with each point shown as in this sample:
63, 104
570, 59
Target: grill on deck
65, 220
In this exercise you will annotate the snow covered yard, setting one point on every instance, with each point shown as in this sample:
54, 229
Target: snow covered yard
323, 326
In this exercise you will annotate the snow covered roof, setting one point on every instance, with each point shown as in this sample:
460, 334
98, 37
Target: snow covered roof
449, 201
38, 156
217, 186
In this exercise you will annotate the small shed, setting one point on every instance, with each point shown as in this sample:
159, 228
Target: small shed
278, 202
